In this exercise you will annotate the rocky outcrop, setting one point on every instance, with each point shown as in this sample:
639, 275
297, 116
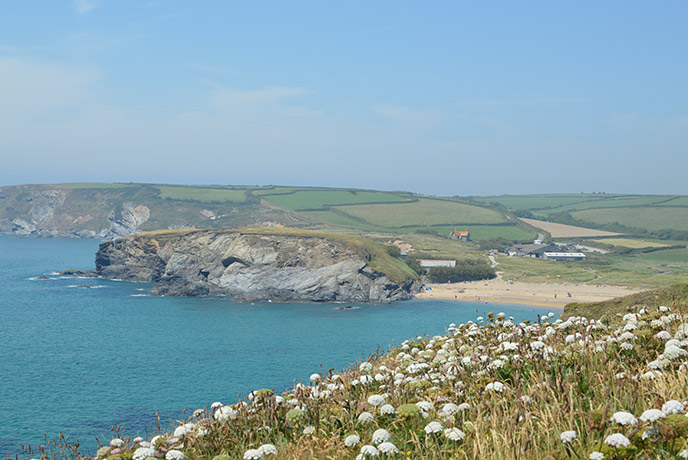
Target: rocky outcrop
126, 220
249, 267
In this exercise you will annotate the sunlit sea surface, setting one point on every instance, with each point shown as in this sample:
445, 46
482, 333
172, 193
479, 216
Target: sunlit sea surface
80, 360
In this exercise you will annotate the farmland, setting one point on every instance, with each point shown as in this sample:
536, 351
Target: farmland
317, 199
630, 243
565, 231
201, 194
647, 218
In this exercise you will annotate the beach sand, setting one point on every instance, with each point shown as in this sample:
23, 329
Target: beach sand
553, 295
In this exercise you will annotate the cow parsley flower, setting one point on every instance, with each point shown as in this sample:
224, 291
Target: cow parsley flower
376, 400
253, 454
624, 418
627, 346
652, 415
495, 386
450, 409
369, 451
425, 406
568, 436
381, 436
388, 409
672, 352
225, 413
663, 335
673, 407
617, 440
365, 367
310, 429
464, 406
352, 440
314, 378
175, 455
268, 449
454, 434
596, 456
433, 427
143, 452
388, 448
365, 417
117, 443
683, 453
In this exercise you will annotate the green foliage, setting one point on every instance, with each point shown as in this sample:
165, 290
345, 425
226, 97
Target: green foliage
427, 231
408, 411
414, 265
319, 198
465, 270
393, 250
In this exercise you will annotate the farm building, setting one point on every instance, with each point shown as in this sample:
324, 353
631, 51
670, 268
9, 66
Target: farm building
564, 256
531, 250
429, 263
461, 236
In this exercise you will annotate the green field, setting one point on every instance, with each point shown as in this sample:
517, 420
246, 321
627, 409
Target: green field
681, 201
422, 213
335, 218
316, 199
618, 202
645, 218
671, 256
630, 243
202, 194
531, 202
486, 232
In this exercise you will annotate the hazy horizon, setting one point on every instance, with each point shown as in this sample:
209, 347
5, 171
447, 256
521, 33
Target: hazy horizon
453, 99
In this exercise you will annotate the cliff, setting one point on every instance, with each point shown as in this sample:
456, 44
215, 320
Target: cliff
252, 264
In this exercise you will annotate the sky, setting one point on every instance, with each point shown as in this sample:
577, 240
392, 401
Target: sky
443, 97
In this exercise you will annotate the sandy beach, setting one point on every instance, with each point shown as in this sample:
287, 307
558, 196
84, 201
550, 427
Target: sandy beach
550, 295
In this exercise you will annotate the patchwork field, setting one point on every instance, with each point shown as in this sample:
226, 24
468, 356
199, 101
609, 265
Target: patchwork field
423, 212
316, 199
566, 231
649, 218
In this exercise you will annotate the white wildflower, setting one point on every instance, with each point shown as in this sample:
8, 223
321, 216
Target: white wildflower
673, 407
310, 429
425, 406
617, 440
388, 409
381, 436
433, 427
365, 417
663, 335
450, 409
495, 386
624, 418
672, 352
369, 451
568, 436
683, 453
388, 448
253, 454
215, 405
352, 440
143, 452
596, 456
376, 400
175, 455
365, 367
268, 449
464, 406
652, 415
315, 378
225, 413
454, 434
117, 443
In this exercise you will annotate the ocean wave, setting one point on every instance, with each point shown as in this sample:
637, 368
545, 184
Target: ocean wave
139, 295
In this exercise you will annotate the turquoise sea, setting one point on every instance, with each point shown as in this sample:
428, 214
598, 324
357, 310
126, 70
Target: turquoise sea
81, 360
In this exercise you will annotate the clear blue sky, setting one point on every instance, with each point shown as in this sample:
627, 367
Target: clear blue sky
437, 97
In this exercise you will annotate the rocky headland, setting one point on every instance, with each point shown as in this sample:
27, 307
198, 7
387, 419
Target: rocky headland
255, 264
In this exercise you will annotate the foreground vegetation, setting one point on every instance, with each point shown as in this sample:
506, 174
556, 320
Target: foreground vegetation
608, 388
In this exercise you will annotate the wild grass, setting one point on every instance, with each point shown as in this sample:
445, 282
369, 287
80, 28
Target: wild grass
490, 389
630, 243
202, 194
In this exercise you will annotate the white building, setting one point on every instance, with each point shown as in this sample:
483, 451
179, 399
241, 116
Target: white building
429, 263
564, 256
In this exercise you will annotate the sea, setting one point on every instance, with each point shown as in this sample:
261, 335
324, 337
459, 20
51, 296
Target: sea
83, 356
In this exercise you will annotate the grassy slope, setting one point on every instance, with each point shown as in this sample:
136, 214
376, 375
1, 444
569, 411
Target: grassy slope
671, 296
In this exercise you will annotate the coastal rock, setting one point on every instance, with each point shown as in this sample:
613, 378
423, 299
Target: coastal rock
249, 267
126, 220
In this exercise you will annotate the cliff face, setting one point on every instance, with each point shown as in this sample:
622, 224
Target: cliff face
249, 267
